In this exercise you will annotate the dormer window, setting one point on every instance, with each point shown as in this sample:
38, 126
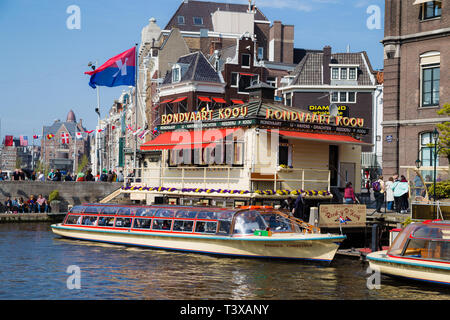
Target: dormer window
180, 19
344, 72
245, 61
176, 74
198, 21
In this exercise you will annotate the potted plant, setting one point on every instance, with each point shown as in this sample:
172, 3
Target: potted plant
53, 200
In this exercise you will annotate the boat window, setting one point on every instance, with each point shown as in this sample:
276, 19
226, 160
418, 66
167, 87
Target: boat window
427, 233
92, 209
247, 222
165, 213
206, 226
142, 223
225, 215
185, 214
277, 223
109, 210
105, 222
123, 211
123, 222
224, 227
145, 212
72, 219
161, 224
89, 221
77, 209
206, 215
399, 242
183, 225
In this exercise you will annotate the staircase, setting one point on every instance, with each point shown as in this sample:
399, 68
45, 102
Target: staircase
111, 196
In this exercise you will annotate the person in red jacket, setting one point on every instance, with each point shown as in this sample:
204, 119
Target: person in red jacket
349, 194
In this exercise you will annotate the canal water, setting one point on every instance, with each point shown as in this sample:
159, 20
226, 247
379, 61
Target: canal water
34, 264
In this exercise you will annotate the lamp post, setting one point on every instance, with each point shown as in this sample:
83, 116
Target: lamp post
98, 159
435, 136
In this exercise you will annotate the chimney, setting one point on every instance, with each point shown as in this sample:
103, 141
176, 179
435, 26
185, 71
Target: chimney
326, 65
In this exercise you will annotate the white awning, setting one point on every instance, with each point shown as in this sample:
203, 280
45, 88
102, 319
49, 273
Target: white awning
423, 1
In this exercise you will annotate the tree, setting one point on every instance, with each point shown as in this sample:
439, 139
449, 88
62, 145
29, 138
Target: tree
444, 132
84, 161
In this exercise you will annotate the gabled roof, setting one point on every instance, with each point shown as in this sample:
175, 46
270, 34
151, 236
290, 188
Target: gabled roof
309, 70
56, 126
197, 69
190, 9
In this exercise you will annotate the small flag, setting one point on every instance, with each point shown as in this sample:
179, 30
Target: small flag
99, 130
35, 136
79, 135
9, 141
49, 136
137, 131
342, 220
64, 138
143, 134
89, 132
113, 127
23, 141
129, 128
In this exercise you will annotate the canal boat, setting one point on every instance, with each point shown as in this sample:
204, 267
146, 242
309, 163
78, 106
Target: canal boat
421, 251
251, 231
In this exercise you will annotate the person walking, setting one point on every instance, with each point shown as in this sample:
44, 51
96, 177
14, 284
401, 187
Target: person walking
389, 193
299, 207
401, 189
378, 192
349, 194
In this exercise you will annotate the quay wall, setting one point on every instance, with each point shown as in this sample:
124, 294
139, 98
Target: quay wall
70, 192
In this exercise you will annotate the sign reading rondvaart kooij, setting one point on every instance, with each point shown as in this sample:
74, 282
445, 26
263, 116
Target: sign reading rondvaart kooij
240, 116
346, 215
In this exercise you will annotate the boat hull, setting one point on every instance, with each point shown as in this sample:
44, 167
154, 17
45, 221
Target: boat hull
316, 247
413, 269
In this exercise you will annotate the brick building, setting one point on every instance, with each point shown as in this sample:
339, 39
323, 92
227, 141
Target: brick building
416, 80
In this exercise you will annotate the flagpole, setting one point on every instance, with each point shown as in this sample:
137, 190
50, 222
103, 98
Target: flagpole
135, 108
74, 150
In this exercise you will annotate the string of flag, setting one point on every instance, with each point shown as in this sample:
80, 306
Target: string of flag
140, 132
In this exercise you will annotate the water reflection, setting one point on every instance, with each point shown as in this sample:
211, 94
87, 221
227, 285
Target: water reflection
33, 264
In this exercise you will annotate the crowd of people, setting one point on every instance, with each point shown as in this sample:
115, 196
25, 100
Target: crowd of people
57, 175
394, 192
31, 205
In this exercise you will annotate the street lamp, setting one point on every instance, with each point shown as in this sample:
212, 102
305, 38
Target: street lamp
418, 164
435, 136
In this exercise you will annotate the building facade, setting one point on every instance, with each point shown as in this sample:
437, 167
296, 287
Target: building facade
416, 81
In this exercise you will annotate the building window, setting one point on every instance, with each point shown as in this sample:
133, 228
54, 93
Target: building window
234, 79
343, 73
176, 74
431, 9
430, 82
260, 53
288, 99
352, 73
180, 20
272, 81
427, 150
245, 60
343, 96
335, 73
246, 81
198, 21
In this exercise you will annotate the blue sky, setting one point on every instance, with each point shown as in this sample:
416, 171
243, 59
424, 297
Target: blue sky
43, 62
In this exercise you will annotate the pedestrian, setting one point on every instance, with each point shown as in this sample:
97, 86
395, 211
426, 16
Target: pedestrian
32, 204
41, 176
57, 175
80, 176
16, 175
104, 176
401, 189
68, 177
50, 175
349, 194
42, 205
15, 205
389, 194
109, 176
8, 205
21, 175
287, 204
299, 207
396, 197
378, 191
120, 176
89, 176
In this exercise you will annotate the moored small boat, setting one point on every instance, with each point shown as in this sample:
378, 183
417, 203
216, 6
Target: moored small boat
420, 252
254, 231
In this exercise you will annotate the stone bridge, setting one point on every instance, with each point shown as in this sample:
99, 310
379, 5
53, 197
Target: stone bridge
70, 192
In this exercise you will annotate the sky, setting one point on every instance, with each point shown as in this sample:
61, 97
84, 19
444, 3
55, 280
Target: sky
43, 61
